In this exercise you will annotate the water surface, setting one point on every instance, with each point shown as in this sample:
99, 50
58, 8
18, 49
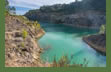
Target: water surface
61, 40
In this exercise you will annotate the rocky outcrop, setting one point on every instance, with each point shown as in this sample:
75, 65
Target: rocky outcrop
89, 19
97, 42
79, 14
21, 47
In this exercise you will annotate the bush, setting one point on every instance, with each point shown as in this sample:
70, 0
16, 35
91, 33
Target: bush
36, 25
102, 29
22, 44
24, 33
65, 62
7, 13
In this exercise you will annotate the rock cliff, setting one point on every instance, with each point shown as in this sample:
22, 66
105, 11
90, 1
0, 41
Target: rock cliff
88, 13
21, 47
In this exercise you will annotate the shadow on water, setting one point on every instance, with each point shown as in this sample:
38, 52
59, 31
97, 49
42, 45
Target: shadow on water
48, 27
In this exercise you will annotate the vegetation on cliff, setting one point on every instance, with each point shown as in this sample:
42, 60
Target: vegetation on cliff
9, 9
21, 34
21, 48
86, 13
78, 6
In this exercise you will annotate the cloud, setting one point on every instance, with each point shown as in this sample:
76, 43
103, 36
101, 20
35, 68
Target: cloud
36, 3
22, 6
20, 12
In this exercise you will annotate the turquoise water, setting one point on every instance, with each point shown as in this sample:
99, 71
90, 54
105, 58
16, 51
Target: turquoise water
62, 40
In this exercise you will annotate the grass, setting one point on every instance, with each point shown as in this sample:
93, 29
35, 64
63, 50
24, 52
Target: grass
23, 19
65, 62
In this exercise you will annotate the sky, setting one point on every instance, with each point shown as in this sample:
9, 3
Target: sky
23, 6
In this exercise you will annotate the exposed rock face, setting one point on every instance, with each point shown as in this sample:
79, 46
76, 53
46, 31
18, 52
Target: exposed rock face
89, 19
19, 51
70, 14
98, 42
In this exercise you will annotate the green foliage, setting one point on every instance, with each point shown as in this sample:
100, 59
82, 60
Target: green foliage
24, 33
54, 62
22, 44
74, 7
65, 62
24, 20
33, 24
7, 13
36, 25
10, 9
6, 5
98, 5
102, 29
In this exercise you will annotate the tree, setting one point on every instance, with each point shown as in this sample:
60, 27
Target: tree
7, 5
13, 10
99, 5
9, 9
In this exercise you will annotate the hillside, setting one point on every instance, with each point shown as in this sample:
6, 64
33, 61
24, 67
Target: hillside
67, 29
21, 47
84, 14
88, 13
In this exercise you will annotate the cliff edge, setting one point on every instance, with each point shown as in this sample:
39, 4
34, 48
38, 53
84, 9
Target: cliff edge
21, 47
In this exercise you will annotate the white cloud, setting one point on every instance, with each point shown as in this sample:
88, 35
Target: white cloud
20, 12
36, 3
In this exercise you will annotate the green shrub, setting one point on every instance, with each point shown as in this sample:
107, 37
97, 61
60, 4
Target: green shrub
24, 33
65, 62
22, 44
62, 62
38, 25
102, 29
7, 13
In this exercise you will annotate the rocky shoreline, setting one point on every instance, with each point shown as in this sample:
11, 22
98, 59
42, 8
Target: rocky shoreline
97, 42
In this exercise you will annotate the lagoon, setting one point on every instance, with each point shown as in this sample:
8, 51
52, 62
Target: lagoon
60, 40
